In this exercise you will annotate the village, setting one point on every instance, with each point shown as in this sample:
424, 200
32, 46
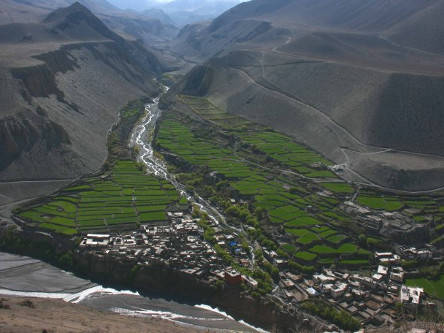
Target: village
370, 298
398, 226
180, 244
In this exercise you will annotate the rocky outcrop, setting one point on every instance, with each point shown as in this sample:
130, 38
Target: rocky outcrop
20, 134
168, 282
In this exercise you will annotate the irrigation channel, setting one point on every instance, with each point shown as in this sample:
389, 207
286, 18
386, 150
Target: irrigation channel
27, 277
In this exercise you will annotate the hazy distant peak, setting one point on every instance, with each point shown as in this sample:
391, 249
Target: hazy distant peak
181, 12
63, 13
98, 4
159, 14
78, 21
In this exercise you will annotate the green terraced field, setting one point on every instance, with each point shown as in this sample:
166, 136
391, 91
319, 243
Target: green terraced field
388, 204
204, 108
423, 206
125, 198
184, 138
290, 249
337, 239
304, 236
283, 149
339, 187
278, 146
347, 248
287, 213
306, 256
303, 222
243, 154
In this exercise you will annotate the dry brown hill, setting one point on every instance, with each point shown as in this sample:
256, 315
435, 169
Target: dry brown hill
359, 81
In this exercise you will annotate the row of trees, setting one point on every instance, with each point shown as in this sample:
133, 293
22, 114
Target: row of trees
340, 318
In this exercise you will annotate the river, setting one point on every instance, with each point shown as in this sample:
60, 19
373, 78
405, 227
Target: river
27, 277
142, 137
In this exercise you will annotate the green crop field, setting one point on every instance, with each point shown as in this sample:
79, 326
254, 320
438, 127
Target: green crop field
339, 187
286, 213
204, 108
305, 256
178, 136
289, 248
354, 262
125, 198
278, 146
388, 204
283, 149
347, 248
308, 216
337, 239
327, 233
303, 221
304, 236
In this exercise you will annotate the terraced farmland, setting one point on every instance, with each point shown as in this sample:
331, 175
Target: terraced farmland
284, 199
122, 199
339, 187
423, 204
384, 203
204, 108
277, 146
292, 155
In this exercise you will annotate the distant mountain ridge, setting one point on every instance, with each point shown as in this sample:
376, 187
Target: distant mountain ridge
387, 18
182, 12
65, 20
159, 14
126, 23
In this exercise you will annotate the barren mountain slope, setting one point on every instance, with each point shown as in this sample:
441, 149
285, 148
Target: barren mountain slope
63, 82
129, 24
373, 15
334, 79
424, 30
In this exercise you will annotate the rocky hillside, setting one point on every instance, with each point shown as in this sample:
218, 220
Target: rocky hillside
358, 81
63, 82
